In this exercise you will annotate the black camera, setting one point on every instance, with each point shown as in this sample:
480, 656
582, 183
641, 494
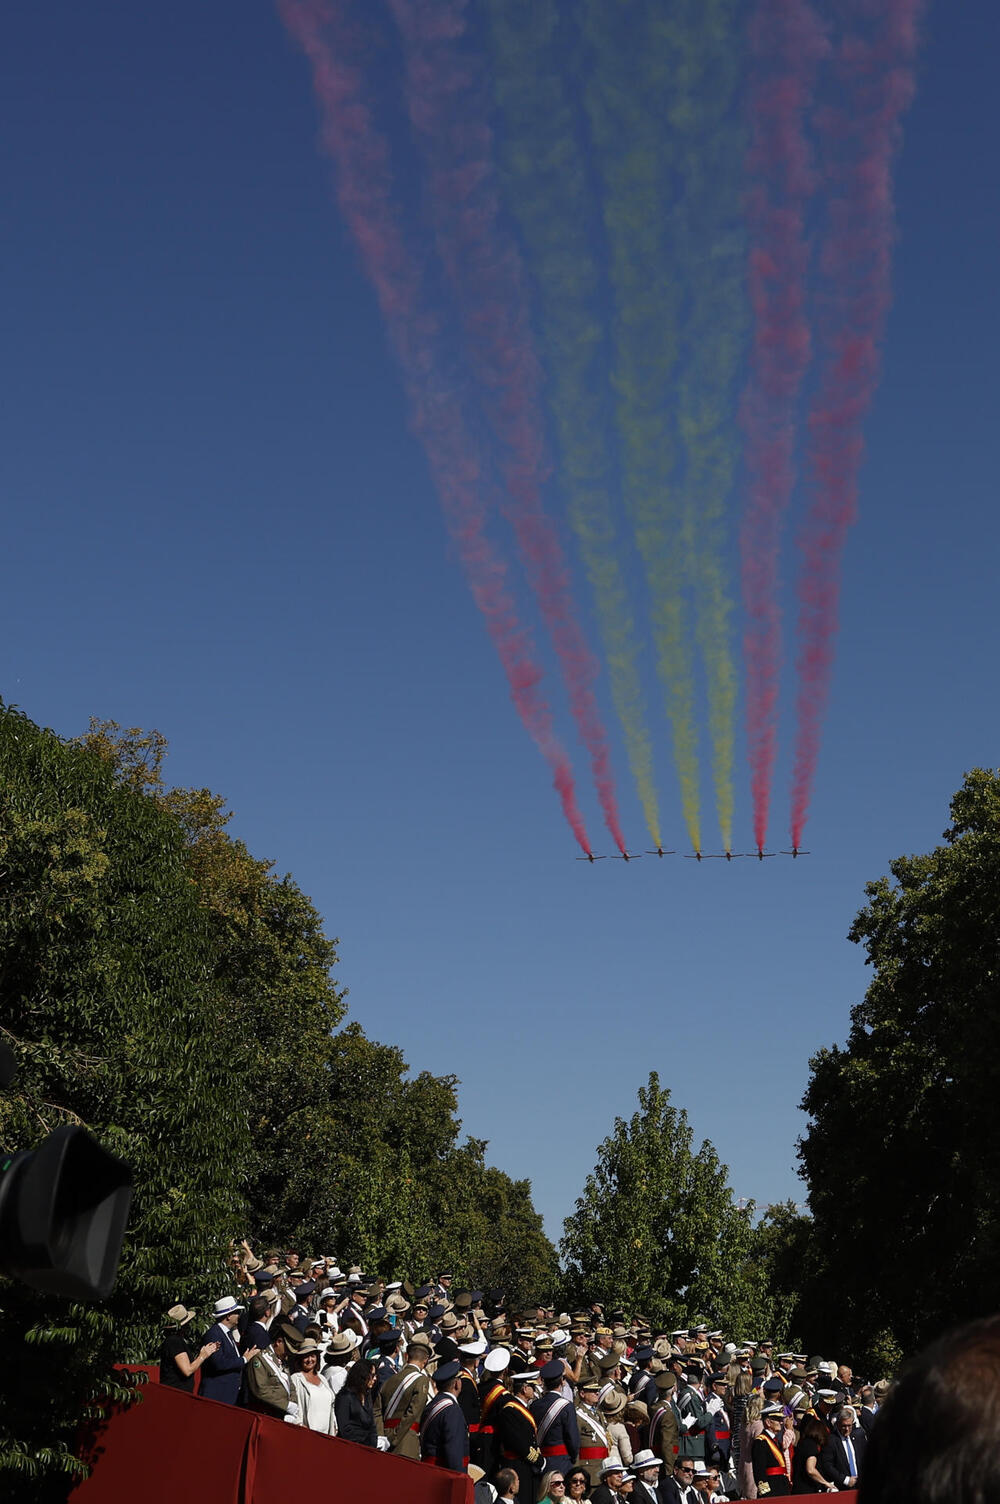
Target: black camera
63, 1211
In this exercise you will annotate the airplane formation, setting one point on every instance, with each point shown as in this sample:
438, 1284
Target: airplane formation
695, 856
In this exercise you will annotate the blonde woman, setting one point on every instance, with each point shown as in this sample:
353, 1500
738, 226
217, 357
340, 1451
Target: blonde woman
750, 1428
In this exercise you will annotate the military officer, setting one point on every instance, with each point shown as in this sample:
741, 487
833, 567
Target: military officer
444, 1439
595, 1445
403, 1399
558, 1434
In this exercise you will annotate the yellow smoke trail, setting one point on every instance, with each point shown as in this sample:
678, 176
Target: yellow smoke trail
629, 77
549, 196
711, 261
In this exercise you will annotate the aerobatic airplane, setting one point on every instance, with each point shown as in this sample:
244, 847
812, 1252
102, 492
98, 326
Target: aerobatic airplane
760, 853
590, 857
795, 851
626, 856
661, 852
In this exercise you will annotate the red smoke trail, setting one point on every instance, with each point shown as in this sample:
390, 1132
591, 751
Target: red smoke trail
786, 43
858, 139
447, 108
364, 189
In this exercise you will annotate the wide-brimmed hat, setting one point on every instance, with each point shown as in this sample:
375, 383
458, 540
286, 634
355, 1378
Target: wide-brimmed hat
613, 1465
343, 1342
614, 1402
644, 1459
226, 1307
310, 1345
179, 1316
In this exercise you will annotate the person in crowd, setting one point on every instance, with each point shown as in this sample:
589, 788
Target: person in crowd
558, 1434
750, 1430
937, 1440
552, 1486
178, 1361
267, 1382
577, 1484
506, 1483
222, 1370
767, 1455
679, 1487
314, 1398
444, 1436
517, 1433
647, 1468
843, 1454
595, 1443
341, 1351
807, 1475
607, 1491
354, 1406
404, 1397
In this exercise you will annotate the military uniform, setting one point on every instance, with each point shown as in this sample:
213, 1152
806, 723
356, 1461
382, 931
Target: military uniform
444, 1440
694, 1420
266, 1387
493, 1395
557, 1432
595, 1444
403, 1401
767, 1458
516, 1437
664, 1429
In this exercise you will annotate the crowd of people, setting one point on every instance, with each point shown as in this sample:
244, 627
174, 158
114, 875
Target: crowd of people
534, 1403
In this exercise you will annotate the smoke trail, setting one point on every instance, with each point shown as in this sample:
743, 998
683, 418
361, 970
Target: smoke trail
859, 137
447, 108
786, 44
550, 198
627, 94
709, 237
365, 193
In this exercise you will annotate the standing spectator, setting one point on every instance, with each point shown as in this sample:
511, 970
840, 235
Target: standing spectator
178, 1363
314, 1398
222, 1371
749, 1431
807, 1476
767, 1456
844, 1452
355, 1409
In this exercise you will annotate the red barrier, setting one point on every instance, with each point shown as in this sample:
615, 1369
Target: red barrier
170, 1446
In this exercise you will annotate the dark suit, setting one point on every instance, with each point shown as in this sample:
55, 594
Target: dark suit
222, 1372
833, 1462
866, 1415
672, 1492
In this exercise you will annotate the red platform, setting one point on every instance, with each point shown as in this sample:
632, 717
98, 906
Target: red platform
171, 1448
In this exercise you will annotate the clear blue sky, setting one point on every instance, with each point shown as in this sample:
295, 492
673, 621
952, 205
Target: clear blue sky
217, 524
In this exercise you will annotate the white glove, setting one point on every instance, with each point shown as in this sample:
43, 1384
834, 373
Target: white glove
293, 1416
383, 1443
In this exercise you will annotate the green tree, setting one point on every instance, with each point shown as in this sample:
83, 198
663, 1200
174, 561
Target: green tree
902, 1153
109, 1003
656, 1229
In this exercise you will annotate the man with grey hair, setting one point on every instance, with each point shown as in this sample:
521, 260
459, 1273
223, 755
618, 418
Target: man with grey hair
842, 1457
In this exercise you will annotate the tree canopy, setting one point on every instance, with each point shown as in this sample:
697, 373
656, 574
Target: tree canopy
656, 1229
902, 1152
168, 990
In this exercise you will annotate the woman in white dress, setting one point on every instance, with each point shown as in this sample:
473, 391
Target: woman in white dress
340, 1354
313, 1397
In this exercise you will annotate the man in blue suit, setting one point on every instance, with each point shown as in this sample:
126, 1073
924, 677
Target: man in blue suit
222, 1373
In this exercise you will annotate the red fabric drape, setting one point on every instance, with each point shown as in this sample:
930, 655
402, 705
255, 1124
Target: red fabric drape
171, 1448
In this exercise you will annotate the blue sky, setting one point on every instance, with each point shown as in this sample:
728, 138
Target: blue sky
217, 523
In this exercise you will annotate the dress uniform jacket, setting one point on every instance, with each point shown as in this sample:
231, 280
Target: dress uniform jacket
492, 1398
719, 1438
664, 1432
266, 1387
444, 1440
402, 1401
222, 1371
558, 1435
767, 1458
516, 1445
595, 1445
691, 1408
